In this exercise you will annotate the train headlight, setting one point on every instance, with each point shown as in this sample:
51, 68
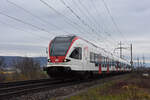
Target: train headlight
49, 60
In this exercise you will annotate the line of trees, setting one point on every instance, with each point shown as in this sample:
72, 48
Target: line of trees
24, 69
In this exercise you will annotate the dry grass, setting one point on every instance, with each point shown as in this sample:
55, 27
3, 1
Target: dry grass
131, 87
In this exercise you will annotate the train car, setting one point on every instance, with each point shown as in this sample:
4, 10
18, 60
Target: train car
70, 56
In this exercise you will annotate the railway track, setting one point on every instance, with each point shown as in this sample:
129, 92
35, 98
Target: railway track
13, 89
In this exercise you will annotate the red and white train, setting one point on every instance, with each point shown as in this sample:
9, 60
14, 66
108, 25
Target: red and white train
70, 56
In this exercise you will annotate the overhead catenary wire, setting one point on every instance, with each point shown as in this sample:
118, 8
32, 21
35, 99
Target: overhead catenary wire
78, 17
38, 37
28, 12
34, 34
110, 37
33, 15
103, 15
115, 42
67, 20
97, 12
82, 11
113, 21
89, 13
26, 23
64, 16
80, 6
88, 16
83, 22
95, 21
37, 17
56, 10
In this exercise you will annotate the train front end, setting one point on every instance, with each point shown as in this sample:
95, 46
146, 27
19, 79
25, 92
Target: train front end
59, 64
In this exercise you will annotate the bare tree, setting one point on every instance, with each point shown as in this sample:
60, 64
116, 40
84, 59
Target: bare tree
28, 67
2, 65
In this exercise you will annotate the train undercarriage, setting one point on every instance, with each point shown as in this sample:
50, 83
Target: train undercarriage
66, 72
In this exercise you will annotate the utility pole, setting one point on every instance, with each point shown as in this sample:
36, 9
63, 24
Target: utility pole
138, 63
121, 56
143, 61
120, 47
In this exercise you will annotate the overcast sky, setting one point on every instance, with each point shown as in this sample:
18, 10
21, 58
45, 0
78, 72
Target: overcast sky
20, 39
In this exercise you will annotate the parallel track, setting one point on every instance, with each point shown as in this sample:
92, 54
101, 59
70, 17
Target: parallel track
22, 87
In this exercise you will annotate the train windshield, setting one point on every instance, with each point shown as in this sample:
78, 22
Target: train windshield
60, 45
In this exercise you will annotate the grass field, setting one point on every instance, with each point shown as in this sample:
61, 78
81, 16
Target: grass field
130, 87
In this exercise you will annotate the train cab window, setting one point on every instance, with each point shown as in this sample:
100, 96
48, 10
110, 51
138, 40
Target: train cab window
76, 53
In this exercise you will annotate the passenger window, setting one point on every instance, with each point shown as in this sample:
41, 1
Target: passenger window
91, 57
76, 53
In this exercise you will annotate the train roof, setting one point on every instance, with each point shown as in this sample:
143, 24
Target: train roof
64, 38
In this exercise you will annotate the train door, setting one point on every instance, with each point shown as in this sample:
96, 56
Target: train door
86, 58
77, 57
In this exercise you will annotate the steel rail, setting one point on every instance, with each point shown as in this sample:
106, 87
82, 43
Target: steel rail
12, 88
16, 83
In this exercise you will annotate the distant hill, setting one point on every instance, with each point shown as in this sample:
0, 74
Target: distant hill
9, 60
42, 60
